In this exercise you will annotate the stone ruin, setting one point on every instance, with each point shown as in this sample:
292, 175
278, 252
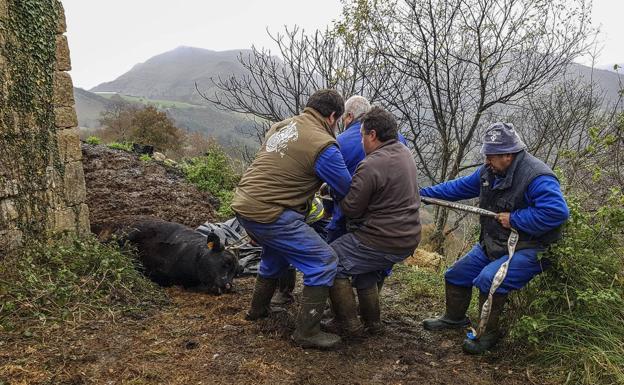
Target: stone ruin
42, 188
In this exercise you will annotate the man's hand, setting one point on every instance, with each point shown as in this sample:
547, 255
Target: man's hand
504, 219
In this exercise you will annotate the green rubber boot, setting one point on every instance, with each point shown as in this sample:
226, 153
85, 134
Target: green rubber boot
457, 302
261, 299
370, 310
345, 308
308, 333
492, 332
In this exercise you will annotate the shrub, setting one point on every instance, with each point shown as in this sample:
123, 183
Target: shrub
572, 317
71, 278
125, 146
94, 140
145, 158
214, 172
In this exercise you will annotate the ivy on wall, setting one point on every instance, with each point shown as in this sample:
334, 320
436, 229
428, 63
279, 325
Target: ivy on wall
28, 149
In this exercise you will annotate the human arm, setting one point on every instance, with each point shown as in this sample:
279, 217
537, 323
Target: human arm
547, 207
363, 185
331, 169
466, 187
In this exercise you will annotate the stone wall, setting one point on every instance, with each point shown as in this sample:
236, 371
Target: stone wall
42, 189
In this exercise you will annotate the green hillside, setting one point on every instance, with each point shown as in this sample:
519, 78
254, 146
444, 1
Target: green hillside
224, 126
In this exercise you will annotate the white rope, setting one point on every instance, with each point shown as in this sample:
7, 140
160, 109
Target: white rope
499, 277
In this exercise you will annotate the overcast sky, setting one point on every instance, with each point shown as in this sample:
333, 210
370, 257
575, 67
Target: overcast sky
108, 37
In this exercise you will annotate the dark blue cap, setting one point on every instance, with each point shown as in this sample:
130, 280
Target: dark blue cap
501, 138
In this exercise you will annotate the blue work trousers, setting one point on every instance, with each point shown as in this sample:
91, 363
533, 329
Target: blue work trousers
365, 265
476, 269
290, 241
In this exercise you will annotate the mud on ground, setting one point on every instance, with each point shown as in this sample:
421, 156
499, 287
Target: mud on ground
120, 184
203, 339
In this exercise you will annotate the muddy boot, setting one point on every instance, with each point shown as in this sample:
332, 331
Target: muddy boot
261, 299
457, 302
370, 310
328, 321
308, 333
380, 284
285, 286
345, 308
492, 330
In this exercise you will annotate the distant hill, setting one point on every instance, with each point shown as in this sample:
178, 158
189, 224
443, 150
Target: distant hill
609, 67
172, 75
224, 126
89, 106
607, 80
168, 82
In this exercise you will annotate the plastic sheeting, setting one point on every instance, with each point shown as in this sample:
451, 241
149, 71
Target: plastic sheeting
232, 233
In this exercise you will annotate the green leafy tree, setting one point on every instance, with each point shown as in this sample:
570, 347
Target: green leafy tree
150, 126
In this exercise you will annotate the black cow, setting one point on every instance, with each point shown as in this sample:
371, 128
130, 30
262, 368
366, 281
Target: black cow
173, 254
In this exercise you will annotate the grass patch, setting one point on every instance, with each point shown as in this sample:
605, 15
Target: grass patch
125, 146
214, 172
71, 279
425, 288
419, 283
159, 103
571, 319
93, 140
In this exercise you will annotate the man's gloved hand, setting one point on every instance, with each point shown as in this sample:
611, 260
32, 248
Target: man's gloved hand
504, 219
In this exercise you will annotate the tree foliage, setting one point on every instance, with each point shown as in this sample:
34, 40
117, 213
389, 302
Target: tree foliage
445, 68
148, 125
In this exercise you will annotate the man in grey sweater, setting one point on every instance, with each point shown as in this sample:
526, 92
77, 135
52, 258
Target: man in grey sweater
382, 218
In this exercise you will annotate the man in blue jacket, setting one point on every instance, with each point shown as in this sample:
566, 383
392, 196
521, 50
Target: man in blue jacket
527, 197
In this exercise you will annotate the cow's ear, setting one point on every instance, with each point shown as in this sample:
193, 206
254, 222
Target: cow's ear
214, 242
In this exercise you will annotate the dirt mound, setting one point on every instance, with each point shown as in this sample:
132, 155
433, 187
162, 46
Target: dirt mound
119, 185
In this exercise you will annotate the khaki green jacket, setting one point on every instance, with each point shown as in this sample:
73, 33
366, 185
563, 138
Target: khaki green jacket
282, 176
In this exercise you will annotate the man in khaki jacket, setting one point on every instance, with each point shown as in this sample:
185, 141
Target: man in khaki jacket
272, 199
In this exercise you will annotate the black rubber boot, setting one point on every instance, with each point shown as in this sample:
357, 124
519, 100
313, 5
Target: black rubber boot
261, 299
492, 332
345, 308
308, 333
285, 287
380, 284
457, 302
370, 310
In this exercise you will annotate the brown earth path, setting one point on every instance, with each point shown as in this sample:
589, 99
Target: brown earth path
203, 339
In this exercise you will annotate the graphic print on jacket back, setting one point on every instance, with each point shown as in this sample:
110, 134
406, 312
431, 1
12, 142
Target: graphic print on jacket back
278, 142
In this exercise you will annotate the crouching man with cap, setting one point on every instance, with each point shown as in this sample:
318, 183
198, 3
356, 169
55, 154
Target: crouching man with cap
527, 197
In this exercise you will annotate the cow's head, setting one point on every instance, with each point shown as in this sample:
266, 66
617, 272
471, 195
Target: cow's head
217, 267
